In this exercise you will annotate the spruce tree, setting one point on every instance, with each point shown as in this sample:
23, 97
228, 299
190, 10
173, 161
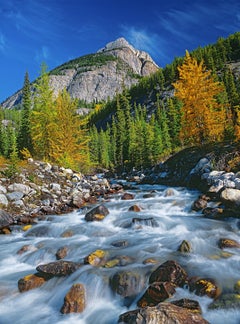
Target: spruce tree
24, 139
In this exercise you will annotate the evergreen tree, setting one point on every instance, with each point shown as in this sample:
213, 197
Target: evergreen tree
121, 134
24, 136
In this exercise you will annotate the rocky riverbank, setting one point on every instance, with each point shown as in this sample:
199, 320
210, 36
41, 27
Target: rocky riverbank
42, 189
213, 169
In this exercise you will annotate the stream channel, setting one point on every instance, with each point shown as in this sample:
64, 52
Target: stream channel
172, 222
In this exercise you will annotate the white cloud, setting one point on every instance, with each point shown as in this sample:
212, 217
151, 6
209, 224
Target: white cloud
42, 55
144, 40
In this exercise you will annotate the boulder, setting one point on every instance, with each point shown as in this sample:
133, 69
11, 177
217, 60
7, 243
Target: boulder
58, 268
231, 196
31, 281
61, 252
169, 271
199, 204
14, 196
190, 304
213, 213
74, 301
19, 187
228, 243
120, 244
226, 301
96, 258
156, 293
150, 221
3, 190
77, 199
237, 287
97, 214
5, 219
161, 313
25, 248
185, 247
127, 283
127, 196
168, 192
134, 208
3, 200
204, 287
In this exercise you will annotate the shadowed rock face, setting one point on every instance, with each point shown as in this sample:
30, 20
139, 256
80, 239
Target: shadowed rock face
101, 75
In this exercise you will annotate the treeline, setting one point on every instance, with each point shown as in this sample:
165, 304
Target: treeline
135, 139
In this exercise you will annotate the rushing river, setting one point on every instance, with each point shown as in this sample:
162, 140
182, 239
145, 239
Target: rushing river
173, 222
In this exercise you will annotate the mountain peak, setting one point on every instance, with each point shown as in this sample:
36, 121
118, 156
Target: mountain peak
118, 43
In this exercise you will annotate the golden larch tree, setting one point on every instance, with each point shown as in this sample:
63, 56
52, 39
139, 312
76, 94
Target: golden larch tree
70, 142
202, 116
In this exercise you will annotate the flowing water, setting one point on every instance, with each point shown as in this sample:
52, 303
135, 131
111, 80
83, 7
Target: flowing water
159, 239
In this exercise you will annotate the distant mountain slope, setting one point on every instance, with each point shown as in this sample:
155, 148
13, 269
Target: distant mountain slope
98, 76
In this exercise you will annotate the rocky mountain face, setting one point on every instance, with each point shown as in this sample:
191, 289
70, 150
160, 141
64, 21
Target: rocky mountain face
98, 76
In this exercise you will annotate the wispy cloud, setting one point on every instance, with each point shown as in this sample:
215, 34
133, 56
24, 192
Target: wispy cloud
42, 55
2, 43
144, 40
198, 19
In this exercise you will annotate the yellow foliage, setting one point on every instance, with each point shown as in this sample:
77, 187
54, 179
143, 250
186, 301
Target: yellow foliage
25, 153
98, 107
203, 118
26, 227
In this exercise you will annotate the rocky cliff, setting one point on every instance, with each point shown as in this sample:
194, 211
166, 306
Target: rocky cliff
98, 76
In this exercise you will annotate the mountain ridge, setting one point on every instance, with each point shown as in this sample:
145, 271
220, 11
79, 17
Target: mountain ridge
98, 76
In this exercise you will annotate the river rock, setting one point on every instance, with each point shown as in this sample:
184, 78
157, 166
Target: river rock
74, 301
228, 243
31, 281
127, 283
199, 204
156, 293
169, 192
61, 252
97, 214
58, 268
3, 190
190, 304
3, 200
150, 221
161, 313
19, 187
226, 301
237, 287
134, 208
14, 196
231, 196
96, 258
127, 196
39, 231
25, 248
185, 247
204, 287
120, 244
214, 213
5, 219
169, 271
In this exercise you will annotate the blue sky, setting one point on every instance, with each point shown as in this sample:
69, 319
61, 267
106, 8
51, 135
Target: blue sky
55, 31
